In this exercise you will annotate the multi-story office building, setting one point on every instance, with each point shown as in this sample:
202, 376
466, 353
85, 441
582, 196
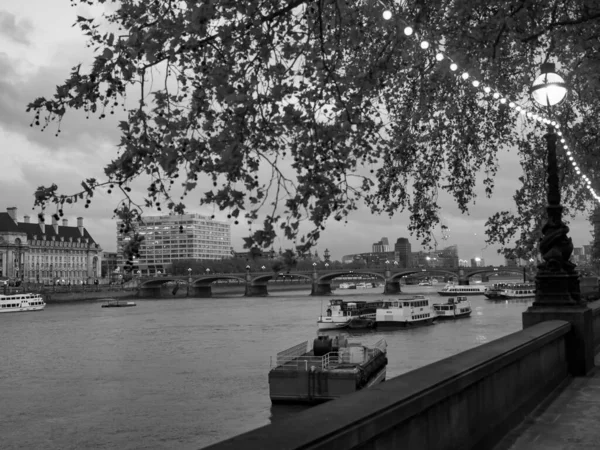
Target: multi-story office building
41, 253
109, 263
175, 237
382, 246
402, 251
477, 262
448, 257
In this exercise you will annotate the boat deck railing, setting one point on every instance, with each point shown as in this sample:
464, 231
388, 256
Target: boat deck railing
290, 360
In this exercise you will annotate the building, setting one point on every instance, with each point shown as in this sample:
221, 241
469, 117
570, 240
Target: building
109, 264
448, 256
477, 262
403, 254
37, 252
174, 237
382, 246
370, 259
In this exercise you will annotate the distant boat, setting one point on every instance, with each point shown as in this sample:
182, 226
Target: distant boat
117, 304
454, 308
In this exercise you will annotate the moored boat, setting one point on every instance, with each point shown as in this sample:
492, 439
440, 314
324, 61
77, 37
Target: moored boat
21, 303
454, 290
425, 283
118, 304
340, 313
405, 312
454, 308
525, 290
332, 368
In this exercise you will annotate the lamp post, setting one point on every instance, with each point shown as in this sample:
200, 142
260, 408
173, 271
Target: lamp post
207, 271
326, 266
557, 295
557, 282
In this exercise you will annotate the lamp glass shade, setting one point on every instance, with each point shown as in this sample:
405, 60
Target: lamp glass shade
548, 89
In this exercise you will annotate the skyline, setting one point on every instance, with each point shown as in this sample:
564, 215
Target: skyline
41, 46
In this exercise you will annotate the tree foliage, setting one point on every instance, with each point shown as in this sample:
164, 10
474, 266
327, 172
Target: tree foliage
337, 104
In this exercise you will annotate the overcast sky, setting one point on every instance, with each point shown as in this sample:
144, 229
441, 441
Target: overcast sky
39, 46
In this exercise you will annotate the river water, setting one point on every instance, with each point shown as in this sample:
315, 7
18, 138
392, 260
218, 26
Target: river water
184, 373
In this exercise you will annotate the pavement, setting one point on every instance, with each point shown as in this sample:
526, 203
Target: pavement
569, 420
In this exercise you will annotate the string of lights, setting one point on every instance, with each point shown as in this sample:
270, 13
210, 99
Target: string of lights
488, 92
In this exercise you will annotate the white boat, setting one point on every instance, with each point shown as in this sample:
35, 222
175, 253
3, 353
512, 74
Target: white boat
340, 314
21, 302
405, 312
454, 308
517, 291
347, 286
364, 286
434, 281
454, 290
426, 283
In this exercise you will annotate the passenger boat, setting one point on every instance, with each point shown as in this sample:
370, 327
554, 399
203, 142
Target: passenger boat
118, 304
340, 314
526, 290
347, 286
365, 285
332, 368
405, 312
21, 303
454, 290
454, 308
426, 283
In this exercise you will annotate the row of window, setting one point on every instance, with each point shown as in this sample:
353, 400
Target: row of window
420, 316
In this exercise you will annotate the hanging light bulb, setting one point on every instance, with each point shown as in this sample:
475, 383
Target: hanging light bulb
496, 95
387, 14
475, 83
439, 56
465, 75
408, 31
453, 67
424, 45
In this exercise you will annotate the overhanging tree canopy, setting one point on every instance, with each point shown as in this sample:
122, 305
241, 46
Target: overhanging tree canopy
338, 102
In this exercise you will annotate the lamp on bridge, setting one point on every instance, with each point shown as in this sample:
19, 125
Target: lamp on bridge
263, 268
326, 266
207, 271
557, 295
314, 267
248, 268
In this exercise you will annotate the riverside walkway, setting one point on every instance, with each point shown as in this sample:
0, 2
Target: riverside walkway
568, 420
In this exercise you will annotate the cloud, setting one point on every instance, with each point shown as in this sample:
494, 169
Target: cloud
17, 32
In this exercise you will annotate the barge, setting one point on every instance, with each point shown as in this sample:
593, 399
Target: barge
332, 368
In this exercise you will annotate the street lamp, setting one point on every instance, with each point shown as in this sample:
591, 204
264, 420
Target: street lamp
263, 267
326, 266
556, 280
207, 271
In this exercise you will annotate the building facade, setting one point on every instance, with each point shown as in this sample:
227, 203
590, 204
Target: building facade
175, 237
41, 253
382, 246
402, 250
109, 264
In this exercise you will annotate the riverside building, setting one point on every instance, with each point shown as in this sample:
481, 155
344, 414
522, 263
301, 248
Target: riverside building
43, 253
175, 237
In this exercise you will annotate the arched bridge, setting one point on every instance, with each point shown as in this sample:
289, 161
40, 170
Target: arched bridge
256, 283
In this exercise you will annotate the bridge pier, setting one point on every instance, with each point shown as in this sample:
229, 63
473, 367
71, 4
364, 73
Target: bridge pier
392, 287
256, 290
200, 291
319, 289
463, 281
150, 291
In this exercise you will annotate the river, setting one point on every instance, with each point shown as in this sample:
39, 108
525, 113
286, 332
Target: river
184, 373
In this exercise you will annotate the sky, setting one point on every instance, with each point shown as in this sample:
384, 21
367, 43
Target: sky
38, 48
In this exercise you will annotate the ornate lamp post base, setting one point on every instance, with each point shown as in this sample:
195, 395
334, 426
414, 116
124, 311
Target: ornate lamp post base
557, 294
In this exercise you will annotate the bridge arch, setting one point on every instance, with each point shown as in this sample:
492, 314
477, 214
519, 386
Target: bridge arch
331, 276
398, 275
